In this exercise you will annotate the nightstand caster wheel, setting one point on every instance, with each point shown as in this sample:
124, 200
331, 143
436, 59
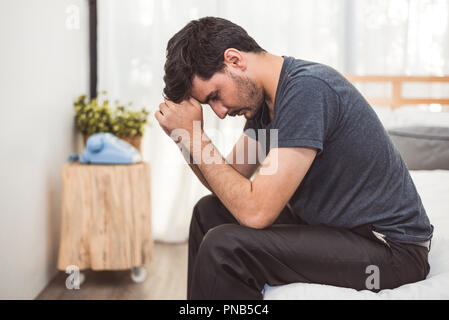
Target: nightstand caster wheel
138, 274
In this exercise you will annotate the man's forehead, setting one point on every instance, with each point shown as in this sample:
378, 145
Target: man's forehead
202, 89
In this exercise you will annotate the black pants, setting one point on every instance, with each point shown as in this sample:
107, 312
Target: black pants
231, 261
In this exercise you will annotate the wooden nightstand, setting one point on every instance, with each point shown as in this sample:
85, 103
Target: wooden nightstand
106, 218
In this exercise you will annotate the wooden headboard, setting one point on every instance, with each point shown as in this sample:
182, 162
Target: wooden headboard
396, 99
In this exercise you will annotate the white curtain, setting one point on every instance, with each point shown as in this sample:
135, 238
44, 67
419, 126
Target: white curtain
363, 36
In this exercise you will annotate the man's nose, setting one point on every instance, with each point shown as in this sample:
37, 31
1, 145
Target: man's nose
219, 109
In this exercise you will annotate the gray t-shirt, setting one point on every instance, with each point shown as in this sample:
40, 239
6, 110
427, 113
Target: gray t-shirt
358, 177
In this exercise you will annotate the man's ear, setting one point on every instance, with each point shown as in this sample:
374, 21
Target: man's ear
234, 58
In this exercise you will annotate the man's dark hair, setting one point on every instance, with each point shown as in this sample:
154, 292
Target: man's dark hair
198, 49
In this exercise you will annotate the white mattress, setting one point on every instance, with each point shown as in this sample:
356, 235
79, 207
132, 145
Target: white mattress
433, 187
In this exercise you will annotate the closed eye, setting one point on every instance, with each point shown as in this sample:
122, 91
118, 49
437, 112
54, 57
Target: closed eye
212, 96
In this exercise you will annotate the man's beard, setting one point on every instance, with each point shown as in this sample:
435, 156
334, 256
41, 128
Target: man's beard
251, 96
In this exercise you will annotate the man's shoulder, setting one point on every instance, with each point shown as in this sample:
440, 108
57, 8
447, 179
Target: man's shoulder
303, 72
307, 88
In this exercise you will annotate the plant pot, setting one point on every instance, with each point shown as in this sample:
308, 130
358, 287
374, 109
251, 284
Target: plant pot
135, 141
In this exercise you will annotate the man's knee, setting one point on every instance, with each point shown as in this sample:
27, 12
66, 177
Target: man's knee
221, 241
205, 204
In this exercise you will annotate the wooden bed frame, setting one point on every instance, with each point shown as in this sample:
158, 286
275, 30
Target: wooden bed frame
396, 100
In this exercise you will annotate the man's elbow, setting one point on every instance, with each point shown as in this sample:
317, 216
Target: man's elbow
258, 220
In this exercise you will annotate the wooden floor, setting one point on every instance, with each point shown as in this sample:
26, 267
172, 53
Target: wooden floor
166, 280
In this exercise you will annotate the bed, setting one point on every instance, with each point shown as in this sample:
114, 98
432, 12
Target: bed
432, 186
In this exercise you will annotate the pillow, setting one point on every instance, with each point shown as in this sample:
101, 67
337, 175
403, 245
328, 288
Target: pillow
422, 148
415, 116
411, 116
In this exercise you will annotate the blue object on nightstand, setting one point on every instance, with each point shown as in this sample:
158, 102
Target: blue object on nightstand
108, 149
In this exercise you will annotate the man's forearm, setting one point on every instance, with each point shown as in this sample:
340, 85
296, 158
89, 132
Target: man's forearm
193, 166
200, 176
233, 189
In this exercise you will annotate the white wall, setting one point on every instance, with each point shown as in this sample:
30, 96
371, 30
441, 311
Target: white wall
43, 67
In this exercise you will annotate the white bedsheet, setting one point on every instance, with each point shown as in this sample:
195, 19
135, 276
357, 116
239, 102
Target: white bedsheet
433, 187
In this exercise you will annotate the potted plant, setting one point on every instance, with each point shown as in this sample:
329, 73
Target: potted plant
93, 117
129, 125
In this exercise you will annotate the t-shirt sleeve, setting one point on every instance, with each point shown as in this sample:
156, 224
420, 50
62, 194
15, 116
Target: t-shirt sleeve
306, 114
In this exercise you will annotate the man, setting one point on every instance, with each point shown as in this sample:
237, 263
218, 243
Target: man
340, 205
